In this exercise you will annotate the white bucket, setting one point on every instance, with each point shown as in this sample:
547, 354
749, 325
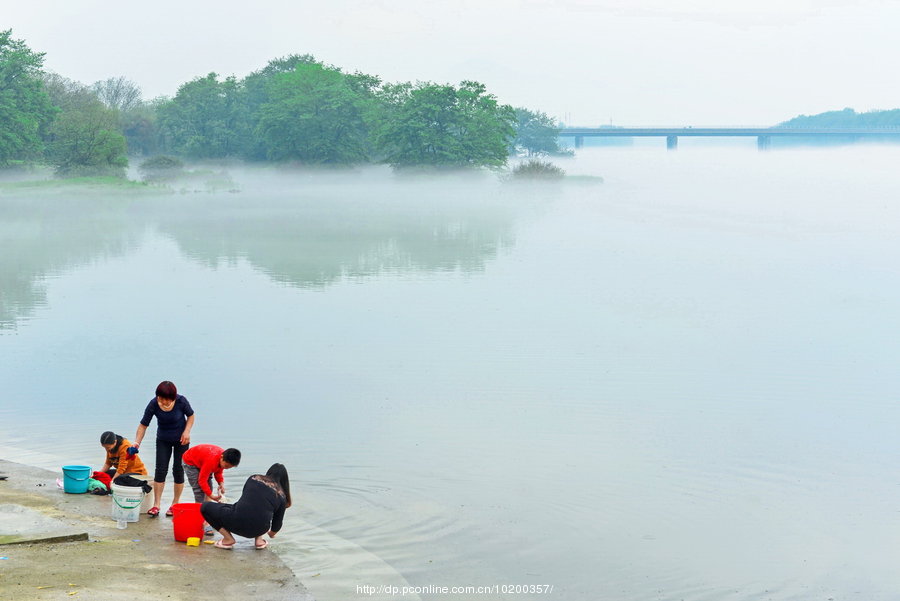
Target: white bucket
147, 503
126, 503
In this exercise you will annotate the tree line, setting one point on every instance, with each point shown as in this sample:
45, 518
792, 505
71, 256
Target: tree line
295, 109
847, 118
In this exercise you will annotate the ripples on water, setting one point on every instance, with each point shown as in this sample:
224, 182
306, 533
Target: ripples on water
677, 385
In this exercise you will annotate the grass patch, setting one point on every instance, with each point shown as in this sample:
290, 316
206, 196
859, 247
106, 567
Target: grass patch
93, 183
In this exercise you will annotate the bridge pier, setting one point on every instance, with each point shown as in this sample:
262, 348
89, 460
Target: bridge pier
579, 141
763, 142
672, 142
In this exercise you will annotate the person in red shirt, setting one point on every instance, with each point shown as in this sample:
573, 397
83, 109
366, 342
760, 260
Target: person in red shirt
204, 462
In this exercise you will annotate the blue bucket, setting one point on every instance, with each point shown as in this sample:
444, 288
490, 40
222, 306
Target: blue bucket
75, 478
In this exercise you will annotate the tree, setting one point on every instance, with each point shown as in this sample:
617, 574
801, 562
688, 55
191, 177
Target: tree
256, 94
207, 118
536, 133
284, 64
137, 119
317, 115
25, 108
140, 126
85, 138
65, 93
443, 126
118, 93
87, 141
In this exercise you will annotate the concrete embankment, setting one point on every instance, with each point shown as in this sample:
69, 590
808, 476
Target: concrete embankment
55, 545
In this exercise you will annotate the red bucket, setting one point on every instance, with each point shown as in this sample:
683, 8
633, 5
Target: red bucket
187, 521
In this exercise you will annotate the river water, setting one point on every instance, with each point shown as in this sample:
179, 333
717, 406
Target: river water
679, 384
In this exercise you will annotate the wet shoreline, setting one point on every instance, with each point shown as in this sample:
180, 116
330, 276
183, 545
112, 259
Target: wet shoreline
53, 543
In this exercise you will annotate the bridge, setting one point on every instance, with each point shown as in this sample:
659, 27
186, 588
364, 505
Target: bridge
763, 135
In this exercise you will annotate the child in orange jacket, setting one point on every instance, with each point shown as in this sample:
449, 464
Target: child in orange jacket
118, 460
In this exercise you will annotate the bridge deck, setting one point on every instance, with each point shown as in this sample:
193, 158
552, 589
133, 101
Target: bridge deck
637, 132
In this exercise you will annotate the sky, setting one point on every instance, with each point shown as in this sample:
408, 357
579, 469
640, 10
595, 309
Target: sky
586, 62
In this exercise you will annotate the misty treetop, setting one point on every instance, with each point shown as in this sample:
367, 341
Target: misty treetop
295, 109
118, 93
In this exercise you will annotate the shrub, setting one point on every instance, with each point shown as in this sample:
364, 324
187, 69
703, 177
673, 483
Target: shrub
161, 167
536, 169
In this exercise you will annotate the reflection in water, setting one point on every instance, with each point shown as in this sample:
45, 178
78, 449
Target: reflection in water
306, 234
313, 240
41, 237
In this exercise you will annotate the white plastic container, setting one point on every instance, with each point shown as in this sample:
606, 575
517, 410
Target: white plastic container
126, 503
148, 498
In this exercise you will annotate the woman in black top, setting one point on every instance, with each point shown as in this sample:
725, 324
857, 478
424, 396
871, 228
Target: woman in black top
260, 509
174, 419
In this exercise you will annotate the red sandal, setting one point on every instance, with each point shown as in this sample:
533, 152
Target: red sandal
153, 512
169, 512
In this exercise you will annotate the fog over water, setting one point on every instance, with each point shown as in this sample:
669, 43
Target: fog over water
679, 384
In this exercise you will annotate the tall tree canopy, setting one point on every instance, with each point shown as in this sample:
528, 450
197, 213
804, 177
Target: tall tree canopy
318, 115
207, 118
24, 106
444, 126
257, 93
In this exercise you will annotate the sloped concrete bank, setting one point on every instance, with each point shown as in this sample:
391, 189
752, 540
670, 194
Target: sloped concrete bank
55, 545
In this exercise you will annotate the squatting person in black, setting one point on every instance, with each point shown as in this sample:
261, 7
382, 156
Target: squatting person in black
260, 509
